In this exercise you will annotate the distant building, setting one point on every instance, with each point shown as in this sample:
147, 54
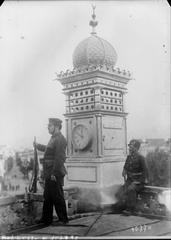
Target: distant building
27, 154
5, 152
156, 142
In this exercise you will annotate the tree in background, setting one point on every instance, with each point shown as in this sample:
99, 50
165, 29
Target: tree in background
158, 163
24, 167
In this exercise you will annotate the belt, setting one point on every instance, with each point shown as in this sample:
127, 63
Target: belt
135, 174
46, 160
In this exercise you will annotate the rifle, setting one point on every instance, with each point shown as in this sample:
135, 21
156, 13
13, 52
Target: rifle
33, 184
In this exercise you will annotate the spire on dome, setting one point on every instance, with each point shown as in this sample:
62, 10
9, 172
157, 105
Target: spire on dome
93, 22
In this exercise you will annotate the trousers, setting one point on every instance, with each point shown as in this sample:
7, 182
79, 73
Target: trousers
127, 195
54, 196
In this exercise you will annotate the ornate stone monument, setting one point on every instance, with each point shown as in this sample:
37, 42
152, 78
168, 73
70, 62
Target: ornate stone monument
95, 115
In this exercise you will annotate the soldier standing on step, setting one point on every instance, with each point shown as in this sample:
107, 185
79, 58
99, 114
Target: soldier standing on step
135, 174
54, 172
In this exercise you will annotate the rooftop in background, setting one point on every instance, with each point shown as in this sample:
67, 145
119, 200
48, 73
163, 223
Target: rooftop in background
156, 141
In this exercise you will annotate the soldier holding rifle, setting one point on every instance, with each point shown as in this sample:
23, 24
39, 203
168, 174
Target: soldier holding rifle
135, 174
54, 172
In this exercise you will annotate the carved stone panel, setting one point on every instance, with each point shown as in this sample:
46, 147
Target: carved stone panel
82, 173
113, 135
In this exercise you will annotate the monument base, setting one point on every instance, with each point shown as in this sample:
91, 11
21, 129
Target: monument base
97, 173
97, 182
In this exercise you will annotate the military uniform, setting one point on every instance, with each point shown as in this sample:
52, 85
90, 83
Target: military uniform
135, 168
136, 171
136, 174
53, 164
54, 156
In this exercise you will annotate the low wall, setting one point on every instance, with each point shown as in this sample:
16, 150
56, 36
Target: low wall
154, 201
22, 210
16, 212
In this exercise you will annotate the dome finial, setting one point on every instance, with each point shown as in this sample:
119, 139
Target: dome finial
93, 22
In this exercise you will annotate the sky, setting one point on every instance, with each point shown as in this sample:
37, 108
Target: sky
37, 40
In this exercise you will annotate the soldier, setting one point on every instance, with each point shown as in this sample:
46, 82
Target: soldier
54, 172
135, 174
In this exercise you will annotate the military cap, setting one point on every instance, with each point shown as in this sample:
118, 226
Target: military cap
55, 121
135, 143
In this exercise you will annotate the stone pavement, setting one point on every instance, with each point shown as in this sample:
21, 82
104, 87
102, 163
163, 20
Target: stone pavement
109, 225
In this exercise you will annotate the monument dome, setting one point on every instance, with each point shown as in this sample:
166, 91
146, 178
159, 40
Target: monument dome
94, 51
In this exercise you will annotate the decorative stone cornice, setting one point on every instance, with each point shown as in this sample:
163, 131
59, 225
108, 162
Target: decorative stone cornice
77, 71
91, 113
